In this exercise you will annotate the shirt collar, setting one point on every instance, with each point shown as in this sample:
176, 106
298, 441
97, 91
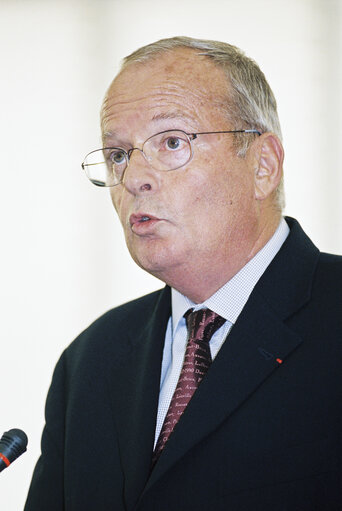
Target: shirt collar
229, 300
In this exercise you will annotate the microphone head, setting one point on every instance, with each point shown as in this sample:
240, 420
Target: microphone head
13, 443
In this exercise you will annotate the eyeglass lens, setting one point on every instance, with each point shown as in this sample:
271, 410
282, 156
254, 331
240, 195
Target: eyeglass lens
168, 150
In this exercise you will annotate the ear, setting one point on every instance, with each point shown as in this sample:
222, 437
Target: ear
268, 165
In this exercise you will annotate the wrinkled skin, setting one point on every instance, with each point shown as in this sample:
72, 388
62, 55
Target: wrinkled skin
210, 216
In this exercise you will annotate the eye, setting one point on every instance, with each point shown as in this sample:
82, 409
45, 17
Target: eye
118, 157
173, 143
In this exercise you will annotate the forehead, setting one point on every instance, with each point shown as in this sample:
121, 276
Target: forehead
176, 84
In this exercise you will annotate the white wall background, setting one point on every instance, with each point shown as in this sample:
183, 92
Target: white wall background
63, 259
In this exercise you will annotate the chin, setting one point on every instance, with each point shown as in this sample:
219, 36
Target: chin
157, 262
154, 266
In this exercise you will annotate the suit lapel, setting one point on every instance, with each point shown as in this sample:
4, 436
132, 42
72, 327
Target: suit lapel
246, 359
257, 345
134, 389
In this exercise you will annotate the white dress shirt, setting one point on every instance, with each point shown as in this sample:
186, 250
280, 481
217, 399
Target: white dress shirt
228, 302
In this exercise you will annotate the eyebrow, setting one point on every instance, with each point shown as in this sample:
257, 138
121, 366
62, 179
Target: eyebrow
110, 135
178, 114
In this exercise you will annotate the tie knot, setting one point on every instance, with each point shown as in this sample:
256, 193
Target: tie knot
202, 324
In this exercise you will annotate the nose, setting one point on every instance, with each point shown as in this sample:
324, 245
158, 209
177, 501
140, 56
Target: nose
139, 176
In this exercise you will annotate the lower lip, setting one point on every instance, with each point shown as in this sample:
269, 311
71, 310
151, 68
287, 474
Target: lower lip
146, 227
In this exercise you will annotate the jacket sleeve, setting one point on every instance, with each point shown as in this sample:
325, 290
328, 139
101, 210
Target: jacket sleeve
46, 492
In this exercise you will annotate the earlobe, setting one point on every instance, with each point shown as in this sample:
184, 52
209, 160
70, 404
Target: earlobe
269, 167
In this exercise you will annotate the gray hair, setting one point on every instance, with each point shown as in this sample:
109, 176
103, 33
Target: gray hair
250, 101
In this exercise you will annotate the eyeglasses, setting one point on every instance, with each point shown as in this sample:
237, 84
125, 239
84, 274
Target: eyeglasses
167, 150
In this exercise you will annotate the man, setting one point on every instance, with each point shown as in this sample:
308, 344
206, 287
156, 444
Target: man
223, 390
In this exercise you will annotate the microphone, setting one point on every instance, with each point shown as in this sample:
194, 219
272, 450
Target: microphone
12, 444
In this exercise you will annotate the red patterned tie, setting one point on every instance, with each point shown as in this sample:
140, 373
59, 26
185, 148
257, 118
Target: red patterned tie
201, 325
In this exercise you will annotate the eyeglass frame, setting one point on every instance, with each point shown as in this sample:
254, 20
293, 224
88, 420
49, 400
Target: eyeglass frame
128, 154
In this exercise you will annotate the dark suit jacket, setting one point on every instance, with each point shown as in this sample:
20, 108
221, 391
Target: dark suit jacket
262, 433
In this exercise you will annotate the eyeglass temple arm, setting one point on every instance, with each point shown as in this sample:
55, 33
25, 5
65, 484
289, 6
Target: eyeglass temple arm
194, 135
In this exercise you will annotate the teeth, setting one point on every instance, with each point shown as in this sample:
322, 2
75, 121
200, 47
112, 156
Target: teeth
144, 218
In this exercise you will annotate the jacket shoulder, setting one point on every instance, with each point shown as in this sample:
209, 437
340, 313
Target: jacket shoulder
328, 276
125, 313
113, 327
332, 261
329, 268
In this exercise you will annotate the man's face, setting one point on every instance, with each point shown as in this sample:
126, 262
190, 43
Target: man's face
200, 218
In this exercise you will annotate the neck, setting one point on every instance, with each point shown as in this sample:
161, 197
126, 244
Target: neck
200, 281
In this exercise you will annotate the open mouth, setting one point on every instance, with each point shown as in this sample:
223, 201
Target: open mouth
141, 218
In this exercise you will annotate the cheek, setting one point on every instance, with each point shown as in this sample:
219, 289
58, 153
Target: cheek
116, 197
